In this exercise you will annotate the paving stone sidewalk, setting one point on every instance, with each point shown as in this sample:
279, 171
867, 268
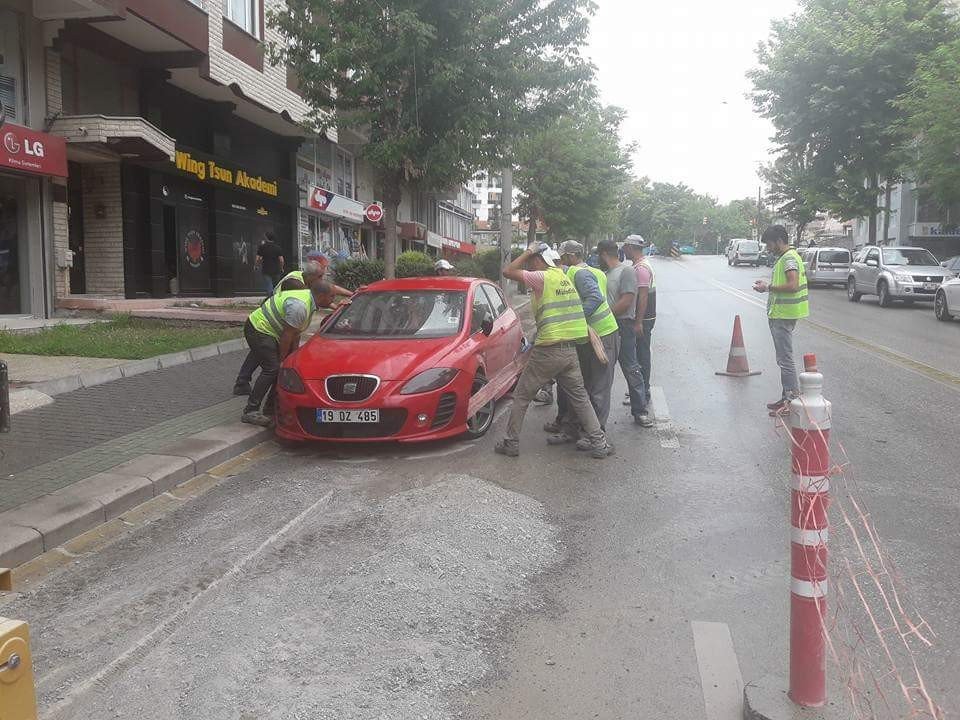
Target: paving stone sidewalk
88, 431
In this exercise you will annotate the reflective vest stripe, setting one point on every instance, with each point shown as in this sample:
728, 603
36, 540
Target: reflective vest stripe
555, 322
561, 318
272, 314
558, 304
791, 300
792, 305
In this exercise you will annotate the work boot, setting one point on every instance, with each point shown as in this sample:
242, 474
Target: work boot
560, 439
643, 420
552, 427
505, 447
584, 444
255, 417
603, 450
242, 389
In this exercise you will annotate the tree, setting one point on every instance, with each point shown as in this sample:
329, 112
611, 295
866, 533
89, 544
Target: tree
932, 109
793, 188
829, 77
570, 173
440, 87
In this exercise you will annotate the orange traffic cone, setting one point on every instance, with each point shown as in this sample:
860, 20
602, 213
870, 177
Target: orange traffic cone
737, 365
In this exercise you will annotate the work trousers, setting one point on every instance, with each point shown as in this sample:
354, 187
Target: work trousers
554, 362
247, 369
269, 283
597, 379
632, 372
643, 351
266, 350
782, 332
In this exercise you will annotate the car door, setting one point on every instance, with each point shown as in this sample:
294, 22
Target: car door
485, 347
952, 290
868, 274
507, 333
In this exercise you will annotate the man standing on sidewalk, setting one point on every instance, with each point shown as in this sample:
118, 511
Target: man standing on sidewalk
591, 286
270, 262
621, 295
646, 316
272, 332
561, 326
786, 303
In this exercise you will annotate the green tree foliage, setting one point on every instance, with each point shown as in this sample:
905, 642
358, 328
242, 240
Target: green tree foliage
828, 78
793, 188
932, 108
439, 87
351, 274
570, 172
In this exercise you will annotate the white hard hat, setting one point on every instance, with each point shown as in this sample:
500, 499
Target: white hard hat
442, 265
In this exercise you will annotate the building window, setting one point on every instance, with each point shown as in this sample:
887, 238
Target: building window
344, 173
11, 66
245, 14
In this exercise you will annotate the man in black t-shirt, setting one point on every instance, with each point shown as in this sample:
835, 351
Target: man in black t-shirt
270, 262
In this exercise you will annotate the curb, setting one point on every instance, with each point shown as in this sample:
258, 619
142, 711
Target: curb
42, 524
767, 699
69, 383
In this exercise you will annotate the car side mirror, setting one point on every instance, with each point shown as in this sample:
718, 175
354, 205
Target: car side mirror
873, 263
486, 325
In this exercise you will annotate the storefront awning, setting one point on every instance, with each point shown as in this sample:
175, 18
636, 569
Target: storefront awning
31, 151
107, 136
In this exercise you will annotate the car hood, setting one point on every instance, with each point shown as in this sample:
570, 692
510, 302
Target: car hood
933, 271
387, 359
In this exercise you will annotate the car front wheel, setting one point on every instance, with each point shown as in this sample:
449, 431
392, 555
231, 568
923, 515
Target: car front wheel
479, 423
940, 308
883, 295
852, 294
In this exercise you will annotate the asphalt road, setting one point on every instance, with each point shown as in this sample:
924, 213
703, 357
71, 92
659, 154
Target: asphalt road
446, 581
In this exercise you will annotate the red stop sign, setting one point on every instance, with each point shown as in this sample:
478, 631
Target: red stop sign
374, 213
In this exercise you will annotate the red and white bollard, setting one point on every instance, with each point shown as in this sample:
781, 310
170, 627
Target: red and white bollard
810, 429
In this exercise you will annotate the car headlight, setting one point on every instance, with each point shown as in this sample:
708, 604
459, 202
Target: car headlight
904, 279
428, 380
289, 380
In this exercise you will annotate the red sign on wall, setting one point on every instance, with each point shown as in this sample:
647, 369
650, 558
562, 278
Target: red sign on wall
31, 151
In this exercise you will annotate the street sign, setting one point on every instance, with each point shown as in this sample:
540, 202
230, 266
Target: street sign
374, 213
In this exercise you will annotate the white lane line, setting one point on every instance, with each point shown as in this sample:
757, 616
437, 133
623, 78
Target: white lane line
173, 622
666, 431
720, 677
459, 448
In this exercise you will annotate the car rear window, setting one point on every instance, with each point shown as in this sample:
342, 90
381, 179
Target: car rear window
750, 246
833, 257
400, 314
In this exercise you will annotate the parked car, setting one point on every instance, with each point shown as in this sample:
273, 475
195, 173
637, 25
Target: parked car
895, 273
743, 252
826, 265
946, 304
952, 265
688, 250
410, 360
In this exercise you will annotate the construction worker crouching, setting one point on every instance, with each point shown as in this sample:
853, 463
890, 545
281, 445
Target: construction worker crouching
561, 326
272, 332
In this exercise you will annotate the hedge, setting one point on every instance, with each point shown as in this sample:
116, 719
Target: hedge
414, 264
351, 274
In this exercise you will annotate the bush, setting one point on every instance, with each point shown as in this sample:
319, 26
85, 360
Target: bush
414, 264
351, 274
469, 267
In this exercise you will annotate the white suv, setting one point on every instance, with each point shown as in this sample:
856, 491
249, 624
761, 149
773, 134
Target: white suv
743, 252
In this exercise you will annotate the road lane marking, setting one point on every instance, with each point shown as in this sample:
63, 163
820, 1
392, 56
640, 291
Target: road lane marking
720, 678
905, 362
172, 623
666, 431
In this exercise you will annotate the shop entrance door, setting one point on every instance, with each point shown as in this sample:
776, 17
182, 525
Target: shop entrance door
78, 275
193, 246
12, 253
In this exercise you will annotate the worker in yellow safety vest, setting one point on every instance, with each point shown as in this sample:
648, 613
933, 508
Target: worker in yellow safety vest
272, 332
561, 326
787, 302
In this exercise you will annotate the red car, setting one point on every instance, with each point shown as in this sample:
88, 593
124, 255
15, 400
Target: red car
408, 360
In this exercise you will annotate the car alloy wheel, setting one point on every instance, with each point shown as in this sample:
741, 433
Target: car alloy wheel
883, 295
940, 308
852, 294
478, 424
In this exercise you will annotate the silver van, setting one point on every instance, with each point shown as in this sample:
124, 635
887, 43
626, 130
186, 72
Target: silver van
826, 265
743, 252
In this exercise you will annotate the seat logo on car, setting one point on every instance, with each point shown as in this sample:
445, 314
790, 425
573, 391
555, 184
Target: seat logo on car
350, 388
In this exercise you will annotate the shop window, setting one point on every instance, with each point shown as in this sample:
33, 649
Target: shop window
344, 173
11, 66
245, 14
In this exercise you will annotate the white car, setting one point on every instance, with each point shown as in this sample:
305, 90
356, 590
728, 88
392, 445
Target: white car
826, 265
743, 252
947, 301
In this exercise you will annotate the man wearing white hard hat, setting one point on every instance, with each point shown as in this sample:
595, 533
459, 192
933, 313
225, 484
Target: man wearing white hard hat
444, 268
561, 326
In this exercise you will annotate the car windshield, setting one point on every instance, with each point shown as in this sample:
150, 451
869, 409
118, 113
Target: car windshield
401, 314
908, 256
834, 257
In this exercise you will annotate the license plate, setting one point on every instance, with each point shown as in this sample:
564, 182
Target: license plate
930, 286
326, 415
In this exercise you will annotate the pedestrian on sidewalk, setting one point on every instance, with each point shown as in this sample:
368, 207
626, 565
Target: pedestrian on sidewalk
646, 315
270, 262
787, 302
561, 326
272, 332
591, 285
621, 296
444, 268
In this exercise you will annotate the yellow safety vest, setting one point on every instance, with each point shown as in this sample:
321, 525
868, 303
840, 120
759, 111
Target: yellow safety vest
558, 310
602, 321
784, 305
293, 275
268, 318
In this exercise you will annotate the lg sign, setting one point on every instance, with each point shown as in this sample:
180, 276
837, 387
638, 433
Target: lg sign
13, 145
31, 151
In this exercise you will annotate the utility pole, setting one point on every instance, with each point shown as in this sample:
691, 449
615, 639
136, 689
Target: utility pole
506, 224
759, 200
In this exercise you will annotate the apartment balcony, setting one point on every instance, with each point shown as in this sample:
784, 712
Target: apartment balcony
933, 230
96, 138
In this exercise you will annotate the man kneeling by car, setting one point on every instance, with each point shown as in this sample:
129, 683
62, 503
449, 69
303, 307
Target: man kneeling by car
273, 331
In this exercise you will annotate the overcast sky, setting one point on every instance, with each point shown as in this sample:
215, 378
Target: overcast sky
677, 67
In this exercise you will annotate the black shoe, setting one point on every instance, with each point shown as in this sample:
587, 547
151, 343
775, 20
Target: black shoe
242, 389
778, 405
552, 427
561, 439
505, 448
598, 452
